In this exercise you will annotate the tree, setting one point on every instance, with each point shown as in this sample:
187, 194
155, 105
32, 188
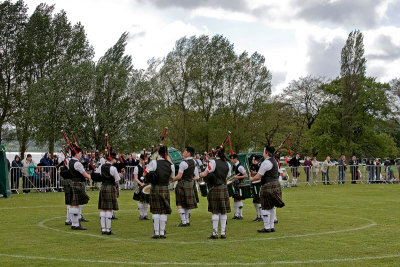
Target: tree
12, 22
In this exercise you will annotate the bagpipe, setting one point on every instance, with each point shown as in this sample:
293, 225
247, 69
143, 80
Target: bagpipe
97, 177
67, 149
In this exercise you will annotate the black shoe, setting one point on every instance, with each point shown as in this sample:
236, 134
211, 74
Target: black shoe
83, 219
240, 218
272, 230
182, 225
103, 232
110, 233
188, 224
260, 219
78, 228
162, 237
223, 236
264, 230
213, 237
141, 218
235, 217
114, 218
146, 218
276, 221
155, 237
68, 223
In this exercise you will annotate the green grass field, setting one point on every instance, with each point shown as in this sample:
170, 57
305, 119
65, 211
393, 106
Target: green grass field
347, 225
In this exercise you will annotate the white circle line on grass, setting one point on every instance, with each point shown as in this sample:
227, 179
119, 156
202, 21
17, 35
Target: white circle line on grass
200, 263
371, 224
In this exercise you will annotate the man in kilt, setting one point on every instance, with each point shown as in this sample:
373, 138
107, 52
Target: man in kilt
66, 175
271, 193
139, 195
159, 173
255, 166
218, 199
239, 173
77, 187
108, 193
184, 190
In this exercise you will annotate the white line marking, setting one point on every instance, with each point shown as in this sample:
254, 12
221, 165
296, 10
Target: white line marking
200, 263
371, 224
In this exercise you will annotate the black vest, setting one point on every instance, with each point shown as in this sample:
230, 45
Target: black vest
108, 179
221, 171
75, 175
236, 169
273, 174
140, 172
163, 172
188, 174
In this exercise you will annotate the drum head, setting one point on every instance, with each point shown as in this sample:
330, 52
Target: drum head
229, 182
202, 183
146, 189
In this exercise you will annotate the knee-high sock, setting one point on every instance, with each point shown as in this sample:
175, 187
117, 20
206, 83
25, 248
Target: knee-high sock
266, 218
68, 215
187, 215
182, 214
240, 209
272, 217
140, 208
223, 218
235, 208
80, 211
108, 220
156, 223
215, 219
103, 220
74, 214
145, 207
259, 211
275, 217
294, 181
163, 223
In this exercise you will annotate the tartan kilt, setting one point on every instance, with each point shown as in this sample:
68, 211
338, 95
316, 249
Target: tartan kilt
256, 199
67, 191
218, 200
184, 195
271, 196
196, 194
159, 199
108, 197
117, 190
78, 194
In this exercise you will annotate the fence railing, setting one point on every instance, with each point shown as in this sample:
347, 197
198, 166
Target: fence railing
48, 179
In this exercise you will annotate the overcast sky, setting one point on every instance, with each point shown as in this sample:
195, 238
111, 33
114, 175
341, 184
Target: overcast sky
297, 37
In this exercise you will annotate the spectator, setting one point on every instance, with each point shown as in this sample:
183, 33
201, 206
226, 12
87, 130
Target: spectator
377, 169
387, 165
307, 168
353, 169
54, 182
342, 163
135, 161
16, 173
325, 170
398, 167
27, 171
294, 163
46, 160
315, 169
370, 170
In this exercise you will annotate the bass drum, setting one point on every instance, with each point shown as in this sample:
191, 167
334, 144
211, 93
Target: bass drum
231, 188
203, 189
146, 192
255, 188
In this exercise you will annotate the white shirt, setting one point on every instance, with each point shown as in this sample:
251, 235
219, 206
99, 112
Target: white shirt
265, 166
213, 165
136, 169
153, 166
78, 166
241, 169
113, 171
183, 166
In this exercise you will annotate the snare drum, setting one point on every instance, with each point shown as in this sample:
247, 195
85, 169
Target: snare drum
203, 189
231, 187
244, 191
146, 193
255, 189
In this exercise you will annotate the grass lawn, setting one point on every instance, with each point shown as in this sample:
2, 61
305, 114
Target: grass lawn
337, 225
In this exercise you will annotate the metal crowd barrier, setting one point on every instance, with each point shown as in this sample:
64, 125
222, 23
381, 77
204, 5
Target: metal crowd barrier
127, 181
38, 178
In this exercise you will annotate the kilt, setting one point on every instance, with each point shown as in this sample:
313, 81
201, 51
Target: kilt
78, 194
185, 195
159, 200
271, 196
140, 196
256, 200
117, 190
196, 194
218, 200
236, 195
108, 197
67, 191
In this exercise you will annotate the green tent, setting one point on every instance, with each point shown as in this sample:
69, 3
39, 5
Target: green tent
4, 184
